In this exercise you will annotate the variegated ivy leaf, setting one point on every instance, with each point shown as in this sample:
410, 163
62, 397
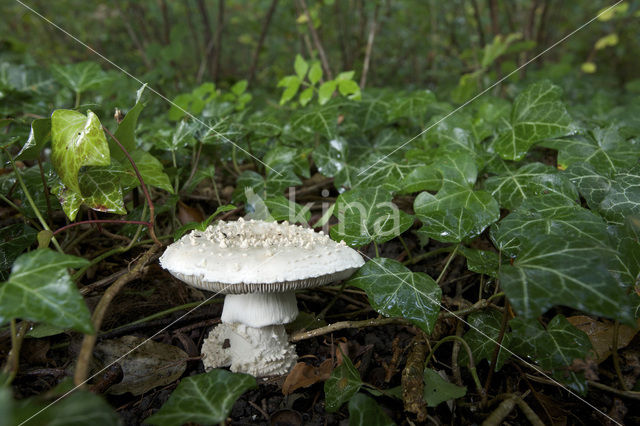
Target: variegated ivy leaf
537, 114
81, 76
40, 289
553, 349
318, 120
552, 270
615, 196
395, 291
457, 212
604, 148
366, 215
531, 180
76, 141
410, 105
482, 337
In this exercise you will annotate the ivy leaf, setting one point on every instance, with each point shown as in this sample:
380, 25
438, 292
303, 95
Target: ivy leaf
342, 385
77, 141
438, 390
368, 215
80, 77
482, 337
395, 291
456, 212
615, 197
559, 270
206, 398
321, 120
126, 131
481, 261
537, 114
422, 178
150, 169
604, 148
553, 349
531, 180
14, 239
364, 411
282, 208
40, 289
410, 105
38, 136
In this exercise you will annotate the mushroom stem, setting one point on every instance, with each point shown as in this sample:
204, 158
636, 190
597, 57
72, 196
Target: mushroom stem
260, 309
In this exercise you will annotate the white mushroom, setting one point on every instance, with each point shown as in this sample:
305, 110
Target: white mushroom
263, 264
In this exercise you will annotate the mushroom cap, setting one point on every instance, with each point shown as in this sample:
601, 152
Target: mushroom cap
258, 257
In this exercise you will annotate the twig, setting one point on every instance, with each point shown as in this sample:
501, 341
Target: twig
500, 413
263, 36
446, 266
373, 28
615, 358
302, 335
13, 359
46, 191
625, 394
412, 379
84, 357
496, 350
316, 41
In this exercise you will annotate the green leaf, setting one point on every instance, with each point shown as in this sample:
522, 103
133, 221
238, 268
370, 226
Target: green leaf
205, 398
150, 169
368, 215
537, 114
497, 48
481, 261
239, 88
77, 141
422, 178
438, 390
345, 75
38, 136
530, 180
321, 120
201, 226
315, 73
364, 411
456, 212
291, 84
342, 385
14, 239
604, 148
305, 96
80, 77
301, 66
326, 91
411, 105
349, 88
40, 289
126, 132
282, 208
553, 349
395, 291
559, 270
482, 338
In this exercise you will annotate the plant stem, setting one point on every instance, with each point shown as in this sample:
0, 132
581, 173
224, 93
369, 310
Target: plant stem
616, 358
496, 351
31, 202
302, 335
89, 340
46, 191
13, 359
19, 210
446, 266
375, 246
472, 365
91, 221
152, 217
406, 248
77, 102
422, 256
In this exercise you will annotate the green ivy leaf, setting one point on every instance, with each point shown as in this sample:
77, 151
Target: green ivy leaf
368, 215
281, 208
482, 337
320, 120
559, 270
615, 196
77, 141
40, 289
395, 291
206, 398
410, 105
438, 390
537, 114
481, 261
14, 239
80, 77
604, 148
553, 349
342, 385
456, 212
150, 169
422, 178
364, 411
38, 136
530, 180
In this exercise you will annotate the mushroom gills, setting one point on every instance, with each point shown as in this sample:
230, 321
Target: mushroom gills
262, 351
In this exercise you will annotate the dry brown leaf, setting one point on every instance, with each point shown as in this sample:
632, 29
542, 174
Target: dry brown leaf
304, 375
601, 334
188, 214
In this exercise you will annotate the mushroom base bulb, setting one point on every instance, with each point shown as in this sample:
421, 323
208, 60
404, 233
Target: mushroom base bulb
260, 309
261, 352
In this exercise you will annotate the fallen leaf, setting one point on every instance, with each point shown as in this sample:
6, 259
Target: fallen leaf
601, 334
304, 375
188, 214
